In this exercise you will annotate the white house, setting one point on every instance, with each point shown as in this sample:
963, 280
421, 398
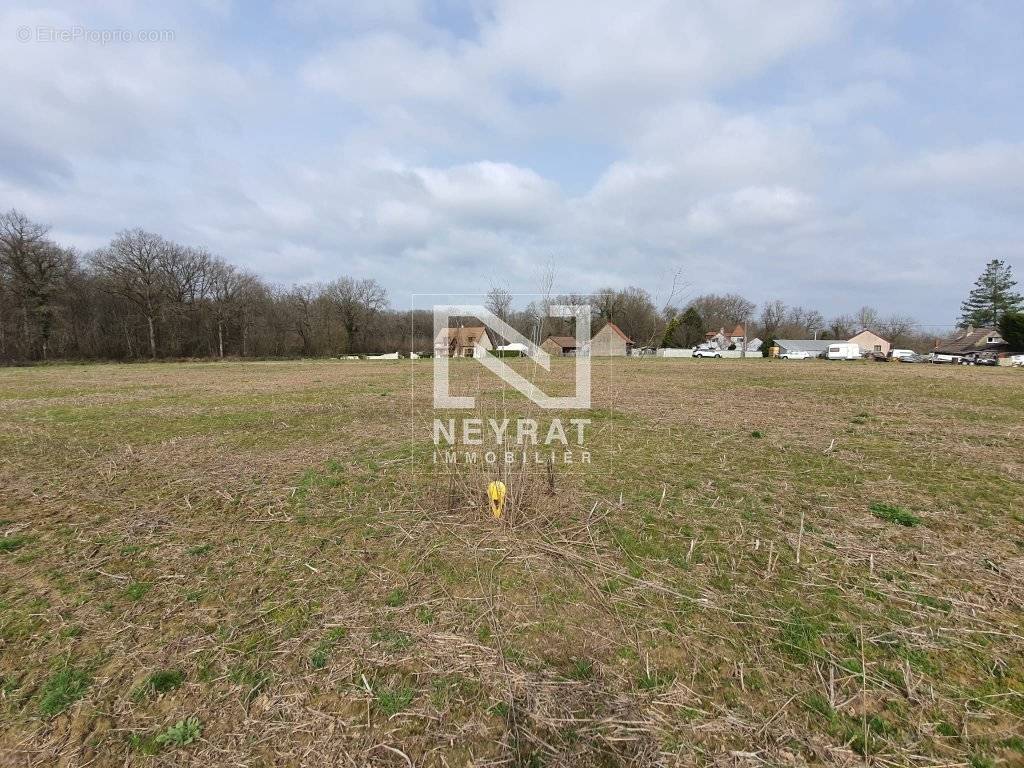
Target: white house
464, 341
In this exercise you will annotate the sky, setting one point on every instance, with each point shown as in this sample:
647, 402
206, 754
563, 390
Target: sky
828, 154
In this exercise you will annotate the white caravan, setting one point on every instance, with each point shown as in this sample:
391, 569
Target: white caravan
843, 351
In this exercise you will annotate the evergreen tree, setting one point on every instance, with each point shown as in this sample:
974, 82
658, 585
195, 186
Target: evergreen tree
693, 327
1011, 328
668, 339
992, 297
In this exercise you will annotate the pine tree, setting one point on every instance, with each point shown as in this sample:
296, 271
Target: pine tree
693, 327
668, 339
992, 297
1011, 328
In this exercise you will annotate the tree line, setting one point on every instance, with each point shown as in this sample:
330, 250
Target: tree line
146, 297
143, 296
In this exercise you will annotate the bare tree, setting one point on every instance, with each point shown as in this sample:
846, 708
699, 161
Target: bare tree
356, 301
33, 269
723, 310
229, 289
499, 301
133, 268
866, 318
841, 327
898, 329
772, 315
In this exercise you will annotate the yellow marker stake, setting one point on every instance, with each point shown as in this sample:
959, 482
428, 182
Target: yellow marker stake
496, 493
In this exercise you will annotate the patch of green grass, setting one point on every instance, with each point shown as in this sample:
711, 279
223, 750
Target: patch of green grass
819, 705
137, 590
392, 639
756, 434
894, 514
425, 614
165, 680
12, 543
200, 550
322, 652
581, 669
451, 688
1016, 743
395, 598
938, 603
62, 689
800, 639
499, 709
391, 701
248, 677
945, 729
145, 744
652, 679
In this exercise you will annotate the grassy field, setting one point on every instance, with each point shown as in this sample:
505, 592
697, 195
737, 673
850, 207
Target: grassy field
767, 563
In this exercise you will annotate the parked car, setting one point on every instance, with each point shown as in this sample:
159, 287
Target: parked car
980, 358
914, 358
843, 351
795, 354
705, 350
899, 354
878, 357
935, 357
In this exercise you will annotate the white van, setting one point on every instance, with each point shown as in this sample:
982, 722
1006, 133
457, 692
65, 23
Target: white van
896, 354
843, 351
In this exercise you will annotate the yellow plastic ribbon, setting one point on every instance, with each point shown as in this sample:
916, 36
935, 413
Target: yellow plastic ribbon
496, 493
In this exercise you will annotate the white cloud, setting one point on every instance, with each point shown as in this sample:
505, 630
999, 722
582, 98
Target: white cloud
993, 165
387, 139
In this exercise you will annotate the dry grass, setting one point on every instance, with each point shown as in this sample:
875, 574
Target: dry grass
250, 564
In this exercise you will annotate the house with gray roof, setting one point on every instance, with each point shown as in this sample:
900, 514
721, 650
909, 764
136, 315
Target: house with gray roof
814, 346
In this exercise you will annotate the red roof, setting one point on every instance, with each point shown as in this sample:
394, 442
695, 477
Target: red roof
565, 342
618, 330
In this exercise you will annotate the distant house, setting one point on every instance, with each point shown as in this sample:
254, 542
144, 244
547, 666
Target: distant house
754, 345
610, 341
559, 345
869, 341
972, 340
725, 340
739, 333
464, 341
814, 346
717, 337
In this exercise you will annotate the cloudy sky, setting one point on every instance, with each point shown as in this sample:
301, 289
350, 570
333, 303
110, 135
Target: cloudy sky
826, 153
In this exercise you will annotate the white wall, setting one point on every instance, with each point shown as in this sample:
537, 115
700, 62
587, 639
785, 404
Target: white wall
671, 352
